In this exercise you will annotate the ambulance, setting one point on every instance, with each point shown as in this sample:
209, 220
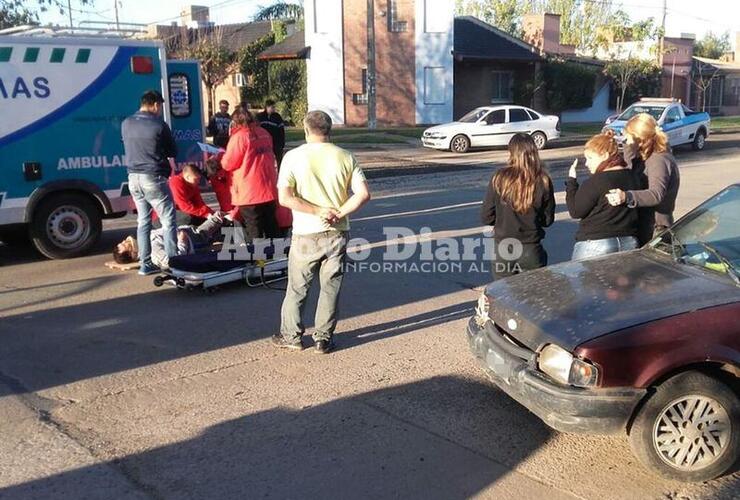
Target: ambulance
62, 101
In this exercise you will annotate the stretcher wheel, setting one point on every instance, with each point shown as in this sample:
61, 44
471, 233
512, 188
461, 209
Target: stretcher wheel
158, 281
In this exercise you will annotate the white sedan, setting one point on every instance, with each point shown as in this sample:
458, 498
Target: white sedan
492, 126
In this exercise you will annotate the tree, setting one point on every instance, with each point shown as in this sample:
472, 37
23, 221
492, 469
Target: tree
582, 22
506, 15
280, 10
633, 79
19, 12
703, 78
713, 46
216, 61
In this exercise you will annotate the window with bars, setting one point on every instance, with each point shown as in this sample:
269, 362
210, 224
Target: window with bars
395, 25
361, 99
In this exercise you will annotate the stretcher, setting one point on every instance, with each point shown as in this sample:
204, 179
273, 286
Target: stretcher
257, 264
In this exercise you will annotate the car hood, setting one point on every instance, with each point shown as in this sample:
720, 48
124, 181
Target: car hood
445, 127
573, 302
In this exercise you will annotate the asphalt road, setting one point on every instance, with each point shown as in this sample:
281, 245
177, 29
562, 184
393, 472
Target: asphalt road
111, 388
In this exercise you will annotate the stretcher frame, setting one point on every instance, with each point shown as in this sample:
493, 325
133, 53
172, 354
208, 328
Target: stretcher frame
254, 274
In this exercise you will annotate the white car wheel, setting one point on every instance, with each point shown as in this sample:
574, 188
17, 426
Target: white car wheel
460, 144
540, 140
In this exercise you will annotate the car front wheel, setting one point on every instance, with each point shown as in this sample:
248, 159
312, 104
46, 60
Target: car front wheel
460, 144
700, 140
688, 429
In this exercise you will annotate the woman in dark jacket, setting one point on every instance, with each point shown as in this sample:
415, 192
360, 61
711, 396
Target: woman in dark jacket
603, 228
519, 203
647, 150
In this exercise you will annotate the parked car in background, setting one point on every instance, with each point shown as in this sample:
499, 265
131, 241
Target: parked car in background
645, 342
492, 126
682, 125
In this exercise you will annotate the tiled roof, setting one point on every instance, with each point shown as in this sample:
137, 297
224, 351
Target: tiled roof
475, 39
293, 47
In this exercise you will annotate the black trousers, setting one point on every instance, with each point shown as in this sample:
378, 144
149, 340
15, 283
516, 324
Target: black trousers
185, 219
533, 256
259, 220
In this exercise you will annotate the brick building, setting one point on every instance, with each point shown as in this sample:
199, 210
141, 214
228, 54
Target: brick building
413, 60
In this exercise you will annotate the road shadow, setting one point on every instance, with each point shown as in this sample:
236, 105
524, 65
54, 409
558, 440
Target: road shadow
397, 442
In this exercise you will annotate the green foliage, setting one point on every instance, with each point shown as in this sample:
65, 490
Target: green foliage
280, 10
583, 23
569, 86
506, 15
256, 72
632, 79
713, 46
20, 12
288, 88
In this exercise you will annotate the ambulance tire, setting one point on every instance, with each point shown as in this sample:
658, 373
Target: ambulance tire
65, 225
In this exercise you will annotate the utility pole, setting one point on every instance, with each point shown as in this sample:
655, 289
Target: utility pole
371, 119
69, 11
662, 34
115, 5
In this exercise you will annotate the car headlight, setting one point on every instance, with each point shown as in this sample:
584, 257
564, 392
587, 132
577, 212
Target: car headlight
564, 368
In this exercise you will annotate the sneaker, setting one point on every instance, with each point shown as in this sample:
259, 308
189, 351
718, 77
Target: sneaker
147, 269
279, 341
324, 346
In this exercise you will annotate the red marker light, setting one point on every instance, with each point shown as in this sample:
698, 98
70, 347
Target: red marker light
142, 65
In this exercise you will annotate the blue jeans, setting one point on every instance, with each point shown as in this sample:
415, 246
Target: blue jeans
594, 248
153, 191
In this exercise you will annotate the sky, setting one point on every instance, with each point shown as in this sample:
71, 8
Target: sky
684, 16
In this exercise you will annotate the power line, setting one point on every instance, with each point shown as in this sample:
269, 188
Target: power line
211, 8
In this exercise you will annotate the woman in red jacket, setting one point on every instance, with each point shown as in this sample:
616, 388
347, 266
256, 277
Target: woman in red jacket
251, 161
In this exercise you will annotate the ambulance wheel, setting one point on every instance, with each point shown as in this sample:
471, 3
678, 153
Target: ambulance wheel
158, 281
65, 225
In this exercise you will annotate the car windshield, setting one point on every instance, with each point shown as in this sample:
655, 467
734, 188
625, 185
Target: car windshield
636, 109
474, 115
709, 236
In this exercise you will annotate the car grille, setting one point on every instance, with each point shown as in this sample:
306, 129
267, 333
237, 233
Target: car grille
510, 344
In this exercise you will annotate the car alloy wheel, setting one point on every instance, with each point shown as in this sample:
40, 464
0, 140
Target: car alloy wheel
539, 140
460, 144
700, 141
691, 432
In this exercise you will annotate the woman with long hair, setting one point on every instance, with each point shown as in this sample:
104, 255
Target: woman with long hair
519, 203
250, 160
648, 152
603, 228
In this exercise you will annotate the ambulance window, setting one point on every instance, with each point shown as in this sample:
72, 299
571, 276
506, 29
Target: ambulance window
180, 95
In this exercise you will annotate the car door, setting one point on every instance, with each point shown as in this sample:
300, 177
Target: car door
673, 126
518, 121
488, 128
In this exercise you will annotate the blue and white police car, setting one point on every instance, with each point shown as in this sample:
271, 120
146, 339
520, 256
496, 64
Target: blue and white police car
682, 125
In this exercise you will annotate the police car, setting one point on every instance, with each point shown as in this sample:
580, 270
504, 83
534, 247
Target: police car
682, 125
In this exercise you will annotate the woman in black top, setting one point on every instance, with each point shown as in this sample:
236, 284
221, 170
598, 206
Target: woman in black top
519, 203
603, 228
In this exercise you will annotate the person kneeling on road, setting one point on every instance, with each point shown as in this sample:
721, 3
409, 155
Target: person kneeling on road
185, 187
189, 238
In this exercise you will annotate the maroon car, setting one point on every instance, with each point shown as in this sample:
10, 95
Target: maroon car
645, 342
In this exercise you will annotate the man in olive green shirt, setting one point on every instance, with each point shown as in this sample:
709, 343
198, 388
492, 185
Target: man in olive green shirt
315, 183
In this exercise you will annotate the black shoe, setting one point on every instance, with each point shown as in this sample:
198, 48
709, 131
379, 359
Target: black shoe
280, 341
324, 346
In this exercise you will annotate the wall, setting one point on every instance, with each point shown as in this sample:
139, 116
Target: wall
434, 50
325, 68
395, 61
598, 112
474, 83
355, 58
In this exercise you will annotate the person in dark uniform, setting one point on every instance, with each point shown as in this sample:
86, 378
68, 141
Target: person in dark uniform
218, 125
271, 121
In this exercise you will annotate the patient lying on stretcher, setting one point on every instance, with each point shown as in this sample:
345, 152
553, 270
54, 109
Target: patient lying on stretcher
189, 239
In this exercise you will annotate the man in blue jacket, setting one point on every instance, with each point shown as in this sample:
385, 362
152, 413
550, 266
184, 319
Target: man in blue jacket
149, 145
